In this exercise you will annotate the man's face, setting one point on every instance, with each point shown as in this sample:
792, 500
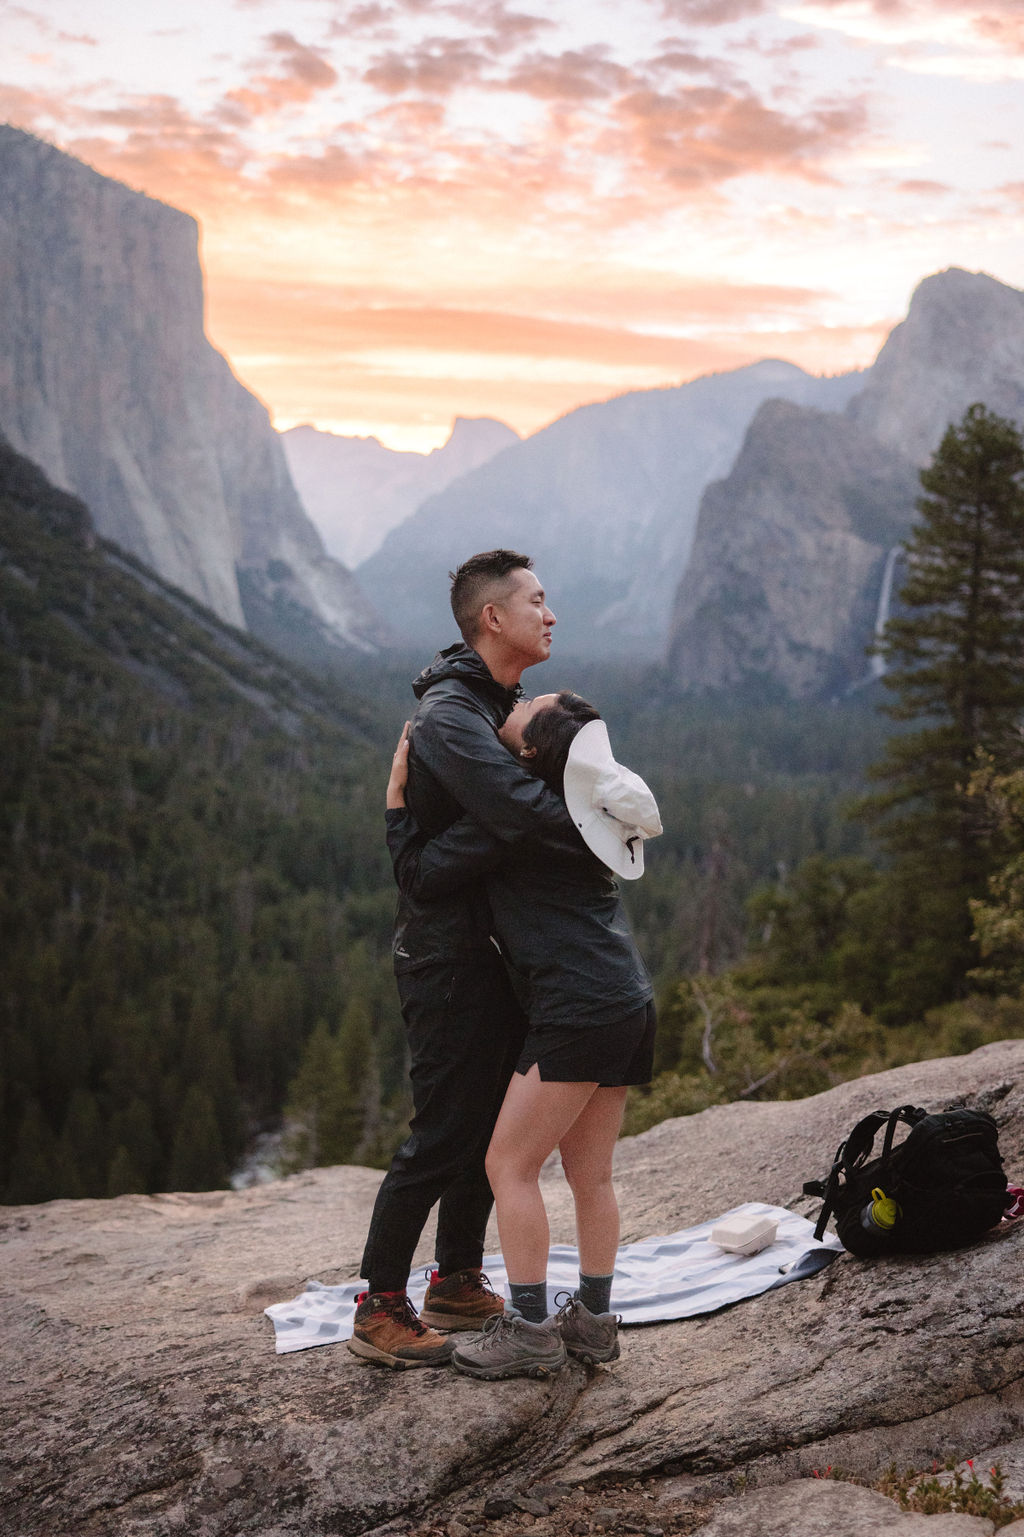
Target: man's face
525, 619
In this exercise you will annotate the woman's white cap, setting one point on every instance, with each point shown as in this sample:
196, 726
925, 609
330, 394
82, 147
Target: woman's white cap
612, 807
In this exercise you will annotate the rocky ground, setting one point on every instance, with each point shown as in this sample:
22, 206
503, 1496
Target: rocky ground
142, 1396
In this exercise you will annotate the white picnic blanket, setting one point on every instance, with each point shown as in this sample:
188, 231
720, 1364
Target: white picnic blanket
677, 1276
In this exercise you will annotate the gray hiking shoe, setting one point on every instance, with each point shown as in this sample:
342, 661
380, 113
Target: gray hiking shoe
590, 1337
511, 1347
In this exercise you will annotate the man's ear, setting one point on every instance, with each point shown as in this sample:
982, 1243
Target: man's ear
490, 619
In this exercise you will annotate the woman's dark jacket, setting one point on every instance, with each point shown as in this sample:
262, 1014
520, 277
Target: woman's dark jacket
556, 913
457, 767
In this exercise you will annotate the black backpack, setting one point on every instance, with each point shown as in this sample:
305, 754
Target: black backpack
946, 1178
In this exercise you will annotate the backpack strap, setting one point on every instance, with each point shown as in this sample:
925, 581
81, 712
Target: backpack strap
827, 1188
855, 1150
861, 1139
910, 1114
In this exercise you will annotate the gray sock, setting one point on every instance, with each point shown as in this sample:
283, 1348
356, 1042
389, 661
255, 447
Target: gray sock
595, 1292
530, 1300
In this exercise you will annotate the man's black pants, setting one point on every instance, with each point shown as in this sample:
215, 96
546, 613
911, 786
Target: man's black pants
465, 1032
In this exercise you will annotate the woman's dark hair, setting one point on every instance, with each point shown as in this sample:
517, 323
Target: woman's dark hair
550, 733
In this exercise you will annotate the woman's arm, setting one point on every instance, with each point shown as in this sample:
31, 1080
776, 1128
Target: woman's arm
436, 867
433, 867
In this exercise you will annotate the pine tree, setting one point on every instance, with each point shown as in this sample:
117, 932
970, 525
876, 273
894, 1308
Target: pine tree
359, 1123
955, 655
334, 1099
123, 1178
82, 1150
999, 918
312, 1094
33, 1175
197, 1158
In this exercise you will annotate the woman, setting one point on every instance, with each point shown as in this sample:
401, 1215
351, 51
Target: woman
588, 999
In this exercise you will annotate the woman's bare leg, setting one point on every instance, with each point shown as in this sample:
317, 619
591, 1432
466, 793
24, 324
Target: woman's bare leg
533, 1120
587, 1149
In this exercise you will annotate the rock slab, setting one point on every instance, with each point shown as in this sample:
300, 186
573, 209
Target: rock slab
142, 1395
823, 1508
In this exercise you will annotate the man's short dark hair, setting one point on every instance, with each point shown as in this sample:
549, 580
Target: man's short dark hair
477, 580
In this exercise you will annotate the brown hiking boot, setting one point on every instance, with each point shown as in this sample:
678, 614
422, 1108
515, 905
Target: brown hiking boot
463, 1300
386, 1330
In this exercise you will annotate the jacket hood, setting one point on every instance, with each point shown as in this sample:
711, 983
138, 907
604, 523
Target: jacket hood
462, 662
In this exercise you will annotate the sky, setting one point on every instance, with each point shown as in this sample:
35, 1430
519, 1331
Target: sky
413, 210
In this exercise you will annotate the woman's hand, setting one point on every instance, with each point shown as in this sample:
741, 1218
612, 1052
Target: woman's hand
399, 772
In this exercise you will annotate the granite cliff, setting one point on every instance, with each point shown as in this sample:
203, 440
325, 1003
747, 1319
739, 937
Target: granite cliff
789, 557
142, 1395
108, 383
791, 552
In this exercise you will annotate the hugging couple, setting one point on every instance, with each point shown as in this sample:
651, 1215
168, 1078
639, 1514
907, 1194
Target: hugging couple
527, 1006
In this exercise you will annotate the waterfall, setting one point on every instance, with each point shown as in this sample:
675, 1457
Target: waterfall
877, 669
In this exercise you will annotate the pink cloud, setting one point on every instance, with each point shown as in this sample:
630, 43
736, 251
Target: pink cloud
711, 13
28, 109
1005, 27
303, 72
319, 354
1013, 192
323, 355
998, 21
500, 29
785, 47
342, 321
707, 134
676, 59
572, 76
920, 187
436, 67
361, 19
334, 167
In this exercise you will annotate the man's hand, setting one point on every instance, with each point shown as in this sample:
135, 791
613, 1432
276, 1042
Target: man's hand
399, 772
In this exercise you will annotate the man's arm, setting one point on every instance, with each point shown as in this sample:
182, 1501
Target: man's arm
460, 748
435, 867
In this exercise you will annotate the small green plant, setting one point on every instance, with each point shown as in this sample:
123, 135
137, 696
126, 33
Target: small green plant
970, 1495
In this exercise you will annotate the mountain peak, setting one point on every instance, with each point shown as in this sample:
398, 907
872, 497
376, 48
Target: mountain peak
469, 431
962, 341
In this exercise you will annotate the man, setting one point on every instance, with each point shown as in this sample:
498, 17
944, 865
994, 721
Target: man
464, 1025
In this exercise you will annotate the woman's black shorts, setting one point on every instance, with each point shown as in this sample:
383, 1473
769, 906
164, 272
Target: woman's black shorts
609, 1055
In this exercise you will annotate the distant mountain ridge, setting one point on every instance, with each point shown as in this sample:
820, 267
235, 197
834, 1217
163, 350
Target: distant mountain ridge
356, 490
109, 384
605, 500
790, 551
697, 526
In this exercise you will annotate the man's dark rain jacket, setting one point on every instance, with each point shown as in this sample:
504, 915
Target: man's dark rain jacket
458, 767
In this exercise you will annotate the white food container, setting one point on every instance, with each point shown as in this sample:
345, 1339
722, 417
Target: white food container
744, 1235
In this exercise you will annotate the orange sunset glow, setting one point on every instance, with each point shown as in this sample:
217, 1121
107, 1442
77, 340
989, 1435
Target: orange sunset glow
413, 211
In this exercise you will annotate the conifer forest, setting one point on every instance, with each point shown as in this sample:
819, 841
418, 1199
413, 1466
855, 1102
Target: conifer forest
195, 896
